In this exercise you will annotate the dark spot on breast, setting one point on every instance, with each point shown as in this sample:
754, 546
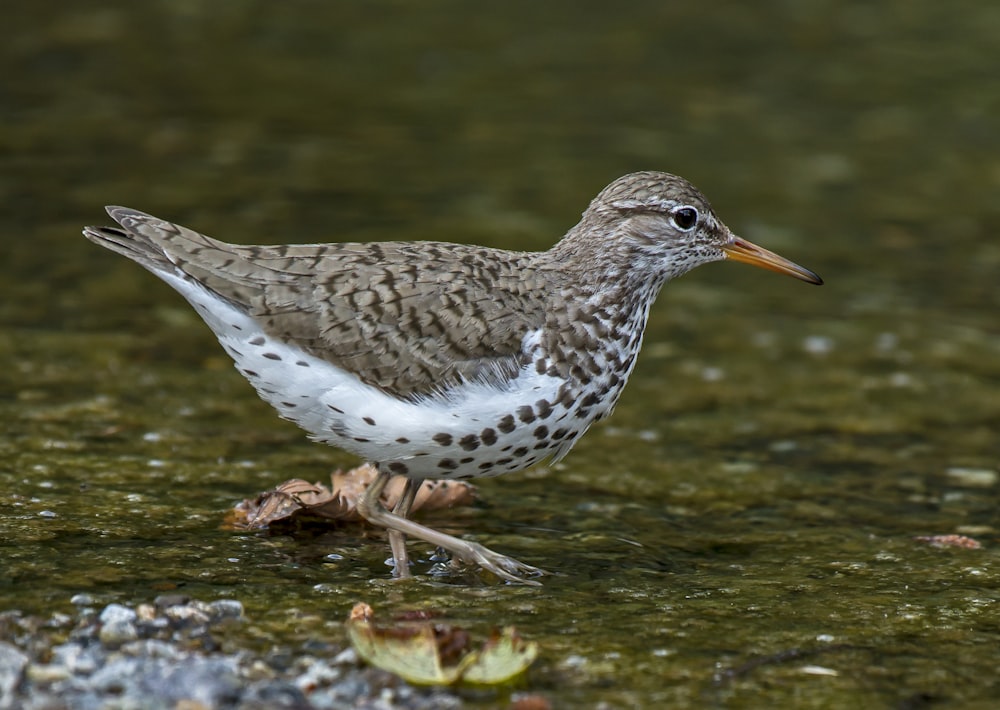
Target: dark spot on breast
486, 465
541, 445
543, 408
467, 459
290, 405
272, 356
235, 327
521, 451
526, 414
443, 439
504, 461
368, 420
302, 363
540, 366
447, 464
402, 440
506, 425
398, 467
338, 411
507, 448
258, 340
250, 373
469, 442
541, 432
559, 434
590, 400
582, 413
361, 439
488, 436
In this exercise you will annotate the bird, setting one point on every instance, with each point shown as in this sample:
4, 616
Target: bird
436, 360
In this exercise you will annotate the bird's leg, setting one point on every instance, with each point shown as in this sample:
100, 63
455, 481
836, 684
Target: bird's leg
397, 540
371, 509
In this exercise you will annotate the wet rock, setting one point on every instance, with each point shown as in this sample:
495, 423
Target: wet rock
116, 613
973, 477
117, 632
12, 665
165, 601
225, 609
81, 600
276, 696
211, 682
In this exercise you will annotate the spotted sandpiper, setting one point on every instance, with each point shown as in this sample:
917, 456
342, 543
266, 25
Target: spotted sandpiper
437, 360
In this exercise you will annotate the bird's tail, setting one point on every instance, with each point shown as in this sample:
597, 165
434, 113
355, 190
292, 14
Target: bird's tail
139, 238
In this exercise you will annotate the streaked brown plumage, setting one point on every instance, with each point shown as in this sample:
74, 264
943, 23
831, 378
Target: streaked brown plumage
444, 360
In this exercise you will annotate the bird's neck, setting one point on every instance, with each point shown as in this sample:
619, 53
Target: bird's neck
600, 259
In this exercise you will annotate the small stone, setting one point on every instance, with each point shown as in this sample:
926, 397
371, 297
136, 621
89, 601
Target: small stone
187, 613
318, 675
817, 344
273, 695
973, 477
58, 620
117, 632
12, 663
115, 613
44, 673
77, 659
818, 670
165, 601
346, 657
226, 609
81, 599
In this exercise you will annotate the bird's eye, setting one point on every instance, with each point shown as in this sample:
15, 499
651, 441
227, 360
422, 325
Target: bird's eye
684, 218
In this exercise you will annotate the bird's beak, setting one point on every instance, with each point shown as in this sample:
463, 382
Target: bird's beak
749, 253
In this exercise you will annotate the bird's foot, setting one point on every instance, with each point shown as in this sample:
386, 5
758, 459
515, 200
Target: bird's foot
506, 568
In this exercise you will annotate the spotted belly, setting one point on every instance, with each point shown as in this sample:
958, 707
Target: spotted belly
473, 430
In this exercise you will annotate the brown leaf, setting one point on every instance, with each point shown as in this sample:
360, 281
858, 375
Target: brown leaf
297, 500
966, 543
431, 653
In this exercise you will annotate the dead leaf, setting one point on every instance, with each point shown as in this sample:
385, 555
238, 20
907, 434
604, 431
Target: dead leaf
962, 541
297, 500
425, 652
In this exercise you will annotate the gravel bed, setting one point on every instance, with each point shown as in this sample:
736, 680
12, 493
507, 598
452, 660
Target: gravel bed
166, 655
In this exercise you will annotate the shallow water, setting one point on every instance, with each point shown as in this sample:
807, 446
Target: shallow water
741, 533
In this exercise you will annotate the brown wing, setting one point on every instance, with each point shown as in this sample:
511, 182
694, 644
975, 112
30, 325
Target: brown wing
412, 318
